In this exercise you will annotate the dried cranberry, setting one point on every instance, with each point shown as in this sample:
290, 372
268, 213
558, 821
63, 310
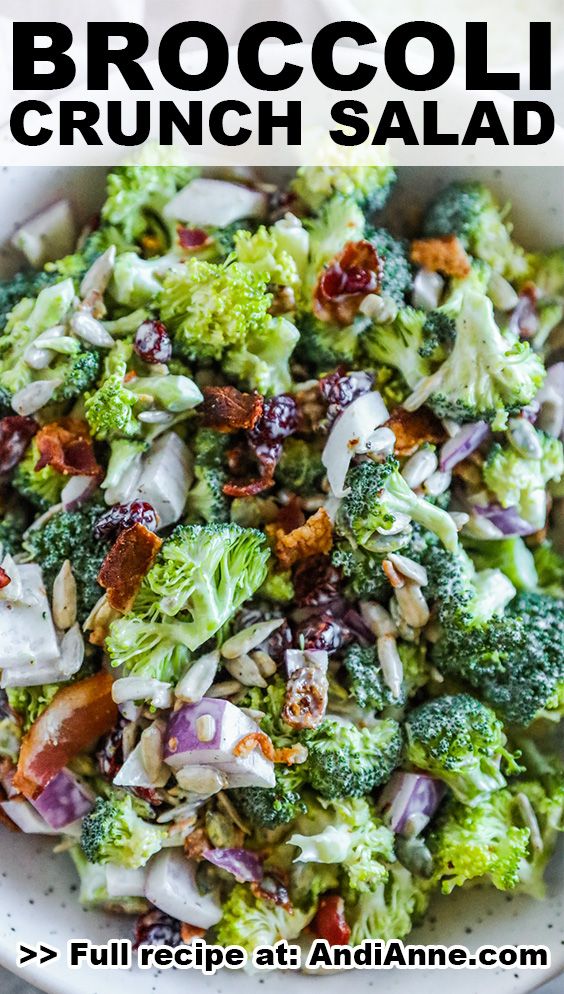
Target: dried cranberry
277, 643
110, 754
271, 888
192, 238
122, 516
16, 433
524, 320
154, 928
324, 632
316, 582
152, 342
279, 419
339, 389
330, 922
358, 629
148, 794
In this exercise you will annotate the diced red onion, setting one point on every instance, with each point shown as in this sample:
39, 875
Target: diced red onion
27, 819
77, 490
245, 866
409, 801
468, 439
507, 519
63, 800
356, 625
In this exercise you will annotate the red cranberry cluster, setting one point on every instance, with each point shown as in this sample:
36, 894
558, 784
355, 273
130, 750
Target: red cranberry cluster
339, 389
152, 342
121, 516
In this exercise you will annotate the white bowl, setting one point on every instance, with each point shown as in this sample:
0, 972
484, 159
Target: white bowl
38, 889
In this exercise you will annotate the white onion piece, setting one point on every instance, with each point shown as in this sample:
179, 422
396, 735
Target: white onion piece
171, 886
34, 396
26, 818
350, 432
136, 688
77, 490
134, 774
48, 235
427, 290
121, 881
215, 202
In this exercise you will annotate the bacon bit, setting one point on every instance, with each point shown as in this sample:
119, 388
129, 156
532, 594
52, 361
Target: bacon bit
4, 578
290, 516
149, 794
196, 844
291, 755
254, 740
310, 539
272, 888
330, 922
76, 718
445, 255
391, 575
193, 239
126, 564
226, 409
306, 698
347, 280
131, 375
253, 487
414, 428
67, 447
189, 932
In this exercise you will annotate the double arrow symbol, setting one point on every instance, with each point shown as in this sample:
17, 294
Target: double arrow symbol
45, 954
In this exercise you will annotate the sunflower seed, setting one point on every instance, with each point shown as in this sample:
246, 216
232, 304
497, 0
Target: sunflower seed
205, 727
377, 619
413, 605
389, 659
151, 745
423, 390
409, 568
64, 597
245, 670
198, 679
524, 438
249, 638
72, 651
34, 396
502, 294
99, 274
378, 308
265, 663
201, 780
420, 466
460, 519
226, 688
91, 331
156, 417
437, 483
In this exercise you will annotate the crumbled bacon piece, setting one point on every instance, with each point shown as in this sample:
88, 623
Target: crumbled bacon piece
290, 516
126, 564
226, 409
251, 488
4, 578
346, 281
67, 447
189, 932
313, 537
254, 740
196, 844
306, 698
272, 888
291, 755
444, 255
414, 428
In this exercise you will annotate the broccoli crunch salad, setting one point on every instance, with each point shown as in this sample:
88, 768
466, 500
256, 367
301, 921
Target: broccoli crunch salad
281, 621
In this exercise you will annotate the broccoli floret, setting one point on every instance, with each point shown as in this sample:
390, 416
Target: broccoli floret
470, 211
378, 496
363, 571
28, 319
389, 911
249, 921
110, 410
468, 844
439, 331
265, 252
510, 555
549, 565
544, 798
79, 374
485, 377
346, 761
547, 272
113, 832
300, 468
93, 892
349, 833
339, 221
26, 283
268, 807
42, 487
13, 523
202, 575
264, 363
135, 194
324, 345
459, 740
68, 535
206, 499
137, 282
10, 738
277, 587
30, 702
400, 344
397, 271
365, 683
520, 481
368, 186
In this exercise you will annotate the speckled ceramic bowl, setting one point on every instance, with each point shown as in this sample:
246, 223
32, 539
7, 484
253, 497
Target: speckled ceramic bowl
38, 898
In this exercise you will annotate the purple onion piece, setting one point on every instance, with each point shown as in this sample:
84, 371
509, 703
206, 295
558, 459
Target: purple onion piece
245, 866
409, 801
63, 800
357, 627
462, 445
507, 519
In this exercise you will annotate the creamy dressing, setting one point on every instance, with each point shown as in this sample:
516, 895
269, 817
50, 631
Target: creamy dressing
508, 23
